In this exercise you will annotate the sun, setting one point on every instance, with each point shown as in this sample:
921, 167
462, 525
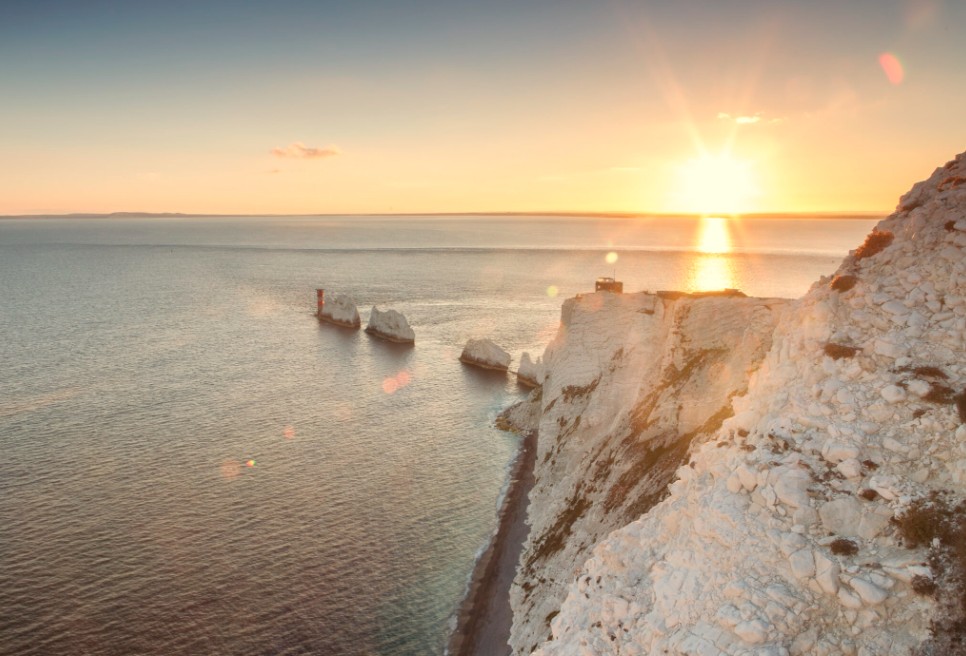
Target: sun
715, 184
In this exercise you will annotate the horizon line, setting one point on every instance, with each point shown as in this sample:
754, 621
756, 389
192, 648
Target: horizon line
857, 214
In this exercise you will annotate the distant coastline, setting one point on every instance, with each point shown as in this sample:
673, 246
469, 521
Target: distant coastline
849, 214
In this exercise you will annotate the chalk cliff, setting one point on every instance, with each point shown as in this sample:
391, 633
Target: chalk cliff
726, 475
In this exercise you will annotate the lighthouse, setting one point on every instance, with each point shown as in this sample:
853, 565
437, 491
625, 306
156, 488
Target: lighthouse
320, 298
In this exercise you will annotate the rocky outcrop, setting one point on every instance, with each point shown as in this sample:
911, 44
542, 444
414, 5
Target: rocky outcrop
391, 326
530, 373
485, 354
632, 381
340, 310
818, 510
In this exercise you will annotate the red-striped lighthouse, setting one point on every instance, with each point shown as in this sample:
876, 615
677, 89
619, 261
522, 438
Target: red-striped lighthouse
320, 297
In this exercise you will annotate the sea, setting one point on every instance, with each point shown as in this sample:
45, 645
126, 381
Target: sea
193, 464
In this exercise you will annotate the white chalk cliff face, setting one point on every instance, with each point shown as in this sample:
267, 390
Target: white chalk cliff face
631, 381
816, 497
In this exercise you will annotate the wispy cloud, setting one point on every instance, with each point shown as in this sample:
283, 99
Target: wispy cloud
298, 150
747, 119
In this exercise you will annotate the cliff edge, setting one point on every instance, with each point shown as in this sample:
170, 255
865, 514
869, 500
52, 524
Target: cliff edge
753, 476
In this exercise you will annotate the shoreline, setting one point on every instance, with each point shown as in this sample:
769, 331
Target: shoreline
484, 616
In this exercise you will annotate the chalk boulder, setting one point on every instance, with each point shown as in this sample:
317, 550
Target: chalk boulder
340, 310
485, 354
391, 326
530, 373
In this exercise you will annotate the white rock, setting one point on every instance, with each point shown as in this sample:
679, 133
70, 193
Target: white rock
802, 563
841, 516
850, 468
826, 573
868, 591
484, 353
895, 307
919, 387
849, 599
837, 451
754, 632
792, 488
530, 373
390, 325
748, 477
893, 393
886, 348
340, 309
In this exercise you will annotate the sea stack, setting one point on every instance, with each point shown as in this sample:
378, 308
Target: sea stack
733, 476
484, 354
391, 326
340, 310
530, 373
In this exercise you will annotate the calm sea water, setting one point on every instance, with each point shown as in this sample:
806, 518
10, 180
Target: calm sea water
193, 464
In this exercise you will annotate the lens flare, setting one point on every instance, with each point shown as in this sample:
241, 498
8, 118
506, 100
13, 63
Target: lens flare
289, 432
250, 462
552, 291
611, 257
892, 67
393, 384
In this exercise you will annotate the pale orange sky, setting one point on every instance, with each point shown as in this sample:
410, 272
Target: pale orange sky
449, 107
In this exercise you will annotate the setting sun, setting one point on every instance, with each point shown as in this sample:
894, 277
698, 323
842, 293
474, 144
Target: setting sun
715, 184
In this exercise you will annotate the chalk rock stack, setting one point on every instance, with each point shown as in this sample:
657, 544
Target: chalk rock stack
483, 353
530, 373
826, 514
391, 326
340, 310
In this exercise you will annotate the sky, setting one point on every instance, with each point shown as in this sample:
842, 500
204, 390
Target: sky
473, 106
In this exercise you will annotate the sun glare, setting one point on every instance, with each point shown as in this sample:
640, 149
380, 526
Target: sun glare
711, 269
714, 236
715, 184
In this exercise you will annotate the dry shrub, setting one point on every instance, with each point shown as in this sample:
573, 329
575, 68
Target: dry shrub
951, 182
874, 244
938, 523
839, 351
939, 394
843, 283
924, 585
960, 400
949, 226
929, 372
843, 547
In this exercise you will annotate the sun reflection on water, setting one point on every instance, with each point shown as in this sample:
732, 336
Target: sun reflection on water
712, 268
715, 235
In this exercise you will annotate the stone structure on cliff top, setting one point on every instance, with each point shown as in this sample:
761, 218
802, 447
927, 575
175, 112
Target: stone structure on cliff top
755, 476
